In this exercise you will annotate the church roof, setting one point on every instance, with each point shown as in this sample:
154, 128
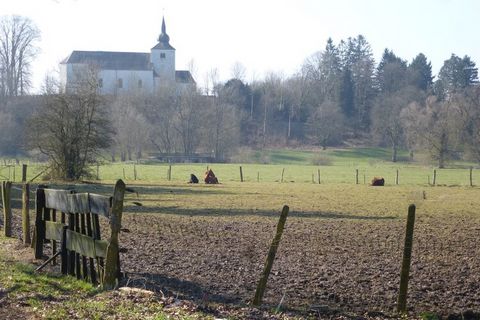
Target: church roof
183, 76
111, 60
163, 46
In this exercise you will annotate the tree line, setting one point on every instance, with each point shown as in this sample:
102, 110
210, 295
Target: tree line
339, 96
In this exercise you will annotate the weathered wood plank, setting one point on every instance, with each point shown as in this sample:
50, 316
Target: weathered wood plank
53, 217
97, 237
39, 223
71, 254
57, 199
7, 210
78, 203
80, 243
77, 254
53, 230
63, 200
84, 232
101, 248
26, 214
63, 248
99, 204
93, 273
112, 264
85, 245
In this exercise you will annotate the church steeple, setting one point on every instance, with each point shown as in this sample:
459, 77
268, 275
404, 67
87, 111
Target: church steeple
163, 37
162, 58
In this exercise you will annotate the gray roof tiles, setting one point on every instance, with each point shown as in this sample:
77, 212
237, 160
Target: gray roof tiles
163, 46
112, 60
183, 76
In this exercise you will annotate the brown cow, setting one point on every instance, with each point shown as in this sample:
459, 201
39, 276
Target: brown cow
378, 181
210, 177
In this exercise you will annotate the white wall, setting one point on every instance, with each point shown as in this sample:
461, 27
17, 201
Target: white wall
164, 67
130, 78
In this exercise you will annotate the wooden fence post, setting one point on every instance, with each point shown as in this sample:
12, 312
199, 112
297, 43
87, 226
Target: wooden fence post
318, 176
396, 178
434, 176
134, 172
407, 255
112, 260
258, 176
39, 225
356, 176
169, 172
471, 177
24, 173
7, 210
257, 300
283, 171
26, 214
98, 171
124, 178
241, 174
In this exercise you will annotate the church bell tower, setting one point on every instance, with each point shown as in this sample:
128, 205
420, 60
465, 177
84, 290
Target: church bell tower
162, 57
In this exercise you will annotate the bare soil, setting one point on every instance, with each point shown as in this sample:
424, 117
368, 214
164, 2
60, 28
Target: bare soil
328, 265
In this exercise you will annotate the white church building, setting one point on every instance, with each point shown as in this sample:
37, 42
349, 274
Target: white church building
124, 72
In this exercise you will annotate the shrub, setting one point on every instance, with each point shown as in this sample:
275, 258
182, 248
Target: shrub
321, 160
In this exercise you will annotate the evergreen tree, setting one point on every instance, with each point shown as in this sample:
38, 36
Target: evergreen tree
391, 73
347, 94
362, 65
457, 73
330, 71
420, 73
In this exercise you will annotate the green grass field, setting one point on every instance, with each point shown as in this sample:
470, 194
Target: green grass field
335, 165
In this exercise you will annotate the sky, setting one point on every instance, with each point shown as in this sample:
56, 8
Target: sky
263, 35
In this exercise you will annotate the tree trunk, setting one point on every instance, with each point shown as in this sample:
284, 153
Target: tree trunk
441, 161
394, 153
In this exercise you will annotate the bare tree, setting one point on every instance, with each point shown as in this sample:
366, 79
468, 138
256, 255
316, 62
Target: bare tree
18, 36
221, 123
132, 131
296, 92
159, 112
325, 124
238, 71
436, 126
71, 128
386, 124
186, 120
272, 99
468, 103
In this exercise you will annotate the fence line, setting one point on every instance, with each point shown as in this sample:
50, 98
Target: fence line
291, 174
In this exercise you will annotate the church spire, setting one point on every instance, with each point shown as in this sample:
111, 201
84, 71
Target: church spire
163, 37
